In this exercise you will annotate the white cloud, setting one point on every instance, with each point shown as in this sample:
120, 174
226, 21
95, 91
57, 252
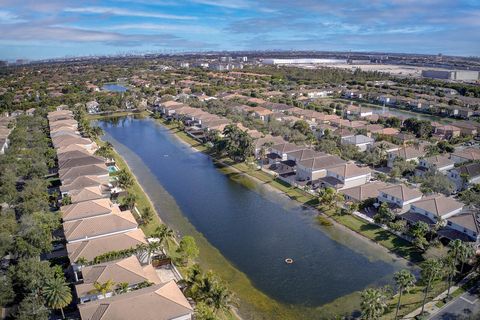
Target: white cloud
163, 27
6, 17
127, 13
231, 4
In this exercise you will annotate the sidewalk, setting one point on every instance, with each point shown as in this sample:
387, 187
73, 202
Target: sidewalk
431, 308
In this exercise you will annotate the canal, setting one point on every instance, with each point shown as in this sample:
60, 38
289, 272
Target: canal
252, 226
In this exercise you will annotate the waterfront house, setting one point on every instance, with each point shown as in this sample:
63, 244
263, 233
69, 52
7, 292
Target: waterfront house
435, 207
89, 193
88, 209
99, 226
265, 143
127, 270
278, 152
316, 168
399, 196
78, 160
83, 182
464, 226
97, 170
162, 301
92, 248
364, 192
467, 128
447, 131
346, 175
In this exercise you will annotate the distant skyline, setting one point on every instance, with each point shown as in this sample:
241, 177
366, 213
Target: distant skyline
32, 29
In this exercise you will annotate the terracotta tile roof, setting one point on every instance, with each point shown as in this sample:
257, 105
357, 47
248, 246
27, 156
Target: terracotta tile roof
469, 154
89, 249
438, 205
365, 191
468, 220
68, 175
160, 302
98, 226
321, 163
127, 270
305, 154
349, 170
87, 209
286, 147
401, 191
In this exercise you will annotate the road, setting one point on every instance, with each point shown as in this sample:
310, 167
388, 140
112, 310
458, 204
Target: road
467, 306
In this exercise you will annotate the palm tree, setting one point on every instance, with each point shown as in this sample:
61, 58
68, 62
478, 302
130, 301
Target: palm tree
221, 299
81, 261
122, 287
404, 279
431, 270
151, 247
455, 248
57, 294
164, 234
466, 253
103, 288
373, 303
450, 269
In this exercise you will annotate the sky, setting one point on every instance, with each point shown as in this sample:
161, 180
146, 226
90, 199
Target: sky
36, 29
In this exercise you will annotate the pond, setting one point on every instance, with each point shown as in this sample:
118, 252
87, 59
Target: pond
254, 227
114, 87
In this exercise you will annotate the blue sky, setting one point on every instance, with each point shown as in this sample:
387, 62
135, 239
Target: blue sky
36, 29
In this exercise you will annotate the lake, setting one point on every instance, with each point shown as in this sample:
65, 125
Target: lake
252, 226
114, 87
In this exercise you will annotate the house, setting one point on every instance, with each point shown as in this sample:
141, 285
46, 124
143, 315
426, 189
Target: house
99, 226
127, 270
67, 140
91, 248
279, 152
343, 133
353, 111
346, 175
316, 168
68, 175
79, 160
304, 154
436, 208
438, 163
162, 301
88, 209
467, 128
464, 226
408, 153
360, 141
447, 131
261, 113
92, 107
465, 175
90, 193
265, 142
465, 155
385, 146
399, 196
364, 192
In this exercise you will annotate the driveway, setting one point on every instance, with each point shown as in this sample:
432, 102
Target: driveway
467, 306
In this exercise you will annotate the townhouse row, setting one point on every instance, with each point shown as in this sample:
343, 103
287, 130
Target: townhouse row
94, 226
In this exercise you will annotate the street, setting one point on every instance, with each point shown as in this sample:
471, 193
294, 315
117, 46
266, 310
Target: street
467, 306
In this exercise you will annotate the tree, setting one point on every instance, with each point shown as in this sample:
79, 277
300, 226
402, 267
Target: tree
128, 201
431, 271
164, 234
151, 247
373, 303
124, 179
237, 143
404, 280
57, 294
187, 249
384, 215
122, 287
204, 312
7, 294
66, 200
329, 198
213, 292
418, 232
147, 215
103, 288
435, 182
32, 308
450, 269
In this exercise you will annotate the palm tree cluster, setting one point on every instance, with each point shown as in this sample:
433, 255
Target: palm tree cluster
237, 144
432, 270
209, 290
